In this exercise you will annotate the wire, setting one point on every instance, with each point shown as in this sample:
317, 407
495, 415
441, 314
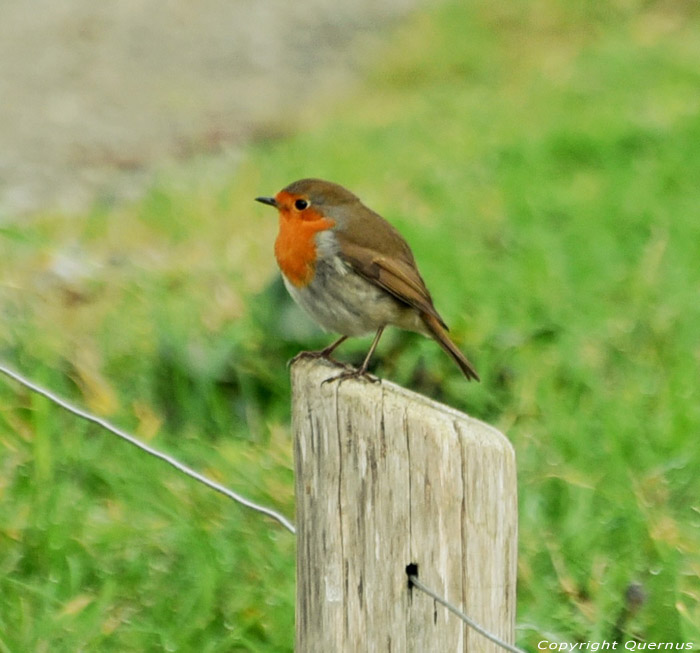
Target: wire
413, 578
467, 620
149, 450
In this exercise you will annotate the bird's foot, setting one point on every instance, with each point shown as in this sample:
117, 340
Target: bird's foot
304, 354
352, 374
325, 354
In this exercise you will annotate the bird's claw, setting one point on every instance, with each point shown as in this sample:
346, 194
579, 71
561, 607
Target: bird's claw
352, 374
316, 355
313, 355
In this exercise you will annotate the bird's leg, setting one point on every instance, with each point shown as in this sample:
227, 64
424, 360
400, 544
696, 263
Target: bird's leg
323, 353
362, 370
375, 342
326, 353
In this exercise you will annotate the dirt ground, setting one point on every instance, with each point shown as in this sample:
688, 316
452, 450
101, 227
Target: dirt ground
94, 96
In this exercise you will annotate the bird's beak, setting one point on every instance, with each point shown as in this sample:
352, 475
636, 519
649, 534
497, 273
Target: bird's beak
266, 200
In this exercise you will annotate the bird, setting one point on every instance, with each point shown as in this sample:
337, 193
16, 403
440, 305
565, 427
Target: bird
351, 270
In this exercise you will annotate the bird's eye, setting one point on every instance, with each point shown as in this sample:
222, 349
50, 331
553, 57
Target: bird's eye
300, 205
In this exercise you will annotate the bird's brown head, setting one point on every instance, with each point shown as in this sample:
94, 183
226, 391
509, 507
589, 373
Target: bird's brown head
309, 200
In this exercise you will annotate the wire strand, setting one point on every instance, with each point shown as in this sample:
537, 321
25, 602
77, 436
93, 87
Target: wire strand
229, 493
147, 449
467, 620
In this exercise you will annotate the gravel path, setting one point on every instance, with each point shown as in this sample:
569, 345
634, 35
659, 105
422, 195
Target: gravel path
96, 95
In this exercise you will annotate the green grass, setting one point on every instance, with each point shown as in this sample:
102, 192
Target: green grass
542, 159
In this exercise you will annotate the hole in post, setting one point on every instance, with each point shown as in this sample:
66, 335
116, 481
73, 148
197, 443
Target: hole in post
411, 570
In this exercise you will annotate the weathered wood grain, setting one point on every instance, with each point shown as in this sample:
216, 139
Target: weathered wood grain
384, 478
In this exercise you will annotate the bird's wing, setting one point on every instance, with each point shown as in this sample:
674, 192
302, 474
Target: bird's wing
397, 276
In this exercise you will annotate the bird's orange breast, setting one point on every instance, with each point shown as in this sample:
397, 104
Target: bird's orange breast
295, 247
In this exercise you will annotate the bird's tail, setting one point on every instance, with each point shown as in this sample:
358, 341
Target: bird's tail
438, 332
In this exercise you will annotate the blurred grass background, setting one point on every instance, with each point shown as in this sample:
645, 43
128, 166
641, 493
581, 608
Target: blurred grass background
542, 159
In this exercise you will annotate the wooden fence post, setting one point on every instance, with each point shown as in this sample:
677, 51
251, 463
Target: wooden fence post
386, 478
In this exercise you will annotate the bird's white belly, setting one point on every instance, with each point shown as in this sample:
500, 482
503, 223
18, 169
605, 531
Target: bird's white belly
342, 301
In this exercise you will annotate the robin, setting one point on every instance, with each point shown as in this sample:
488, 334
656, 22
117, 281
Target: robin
351, 270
